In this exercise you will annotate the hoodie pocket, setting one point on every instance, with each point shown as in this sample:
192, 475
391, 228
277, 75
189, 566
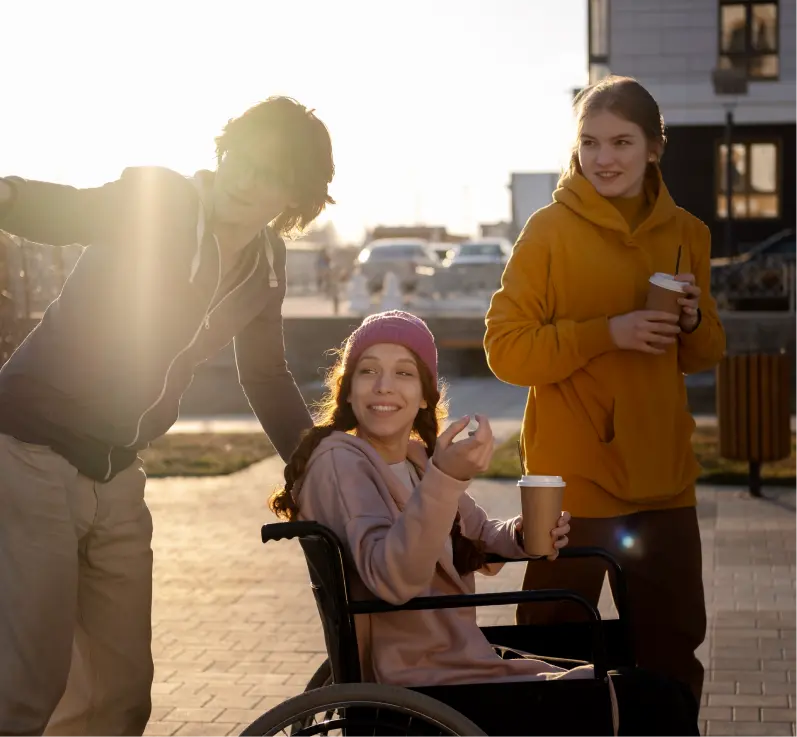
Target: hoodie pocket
592, 406
605, 429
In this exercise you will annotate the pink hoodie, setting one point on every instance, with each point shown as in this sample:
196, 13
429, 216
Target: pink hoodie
399, 547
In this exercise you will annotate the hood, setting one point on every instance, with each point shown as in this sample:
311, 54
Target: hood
577, 194
416, 453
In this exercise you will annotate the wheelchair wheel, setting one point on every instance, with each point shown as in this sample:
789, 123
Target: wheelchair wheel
362, 708
322, 677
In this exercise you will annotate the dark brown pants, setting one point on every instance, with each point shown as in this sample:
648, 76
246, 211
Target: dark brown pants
661, 556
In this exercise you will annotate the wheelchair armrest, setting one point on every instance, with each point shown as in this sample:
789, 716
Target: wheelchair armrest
456, 601
620, 588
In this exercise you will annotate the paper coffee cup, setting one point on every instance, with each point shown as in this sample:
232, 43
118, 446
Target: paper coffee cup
663, 294
541, 502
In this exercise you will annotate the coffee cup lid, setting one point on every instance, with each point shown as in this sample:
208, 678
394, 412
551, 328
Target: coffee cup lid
554, 481
666, 281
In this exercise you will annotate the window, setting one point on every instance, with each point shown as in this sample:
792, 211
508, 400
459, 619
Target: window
598, 20
755, 175
749, 33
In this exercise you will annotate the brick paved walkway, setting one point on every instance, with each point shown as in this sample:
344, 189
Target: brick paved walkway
236, 629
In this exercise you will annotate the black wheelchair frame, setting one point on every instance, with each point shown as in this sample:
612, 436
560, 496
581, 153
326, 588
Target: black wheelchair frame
607, 644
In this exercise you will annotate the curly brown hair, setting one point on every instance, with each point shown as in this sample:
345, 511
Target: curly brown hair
307, 159
336, 413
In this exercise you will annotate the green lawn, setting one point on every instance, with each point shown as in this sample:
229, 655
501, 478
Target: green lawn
716, 470
205, 454
209, 454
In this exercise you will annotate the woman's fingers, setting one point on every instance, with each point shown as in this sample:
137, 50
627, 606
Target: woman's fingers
561, 531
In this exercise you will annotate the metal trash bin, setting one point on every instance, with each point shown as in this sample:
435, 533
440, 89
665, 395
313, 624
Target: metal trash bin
753, 399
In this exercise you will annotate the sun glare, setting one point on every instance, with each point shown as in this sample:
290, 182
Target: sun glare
428, 118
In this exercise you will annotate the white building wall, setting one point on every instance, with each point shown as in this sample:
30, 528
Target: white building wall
530, 192
671, 47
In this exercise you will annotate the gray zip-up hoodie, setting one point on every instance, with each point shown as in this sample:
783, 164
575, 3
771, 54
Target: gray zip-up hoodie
103, 373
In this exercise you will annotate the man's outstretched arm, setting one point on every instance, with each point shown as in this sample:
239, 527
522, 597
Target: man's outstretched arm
59, 215
55, 214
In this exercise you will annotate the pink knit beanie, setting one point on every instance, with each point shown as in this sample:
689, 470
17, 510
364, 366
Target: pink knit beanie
397, 327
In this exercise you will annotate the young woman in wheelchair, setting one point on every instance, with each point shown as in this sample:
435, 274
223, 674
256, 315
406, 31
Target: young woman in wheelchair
376, 470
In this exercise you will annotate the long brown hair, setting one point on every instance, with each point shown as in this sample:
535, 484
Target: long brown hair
336, 413
627, 99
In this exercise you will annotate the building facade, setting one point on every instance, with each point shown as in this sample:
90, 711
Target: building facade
673, 48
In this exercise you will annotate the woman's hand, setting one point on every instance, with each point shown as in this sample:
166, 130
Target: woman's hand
646, 331
558, 533
689, 302
464, 459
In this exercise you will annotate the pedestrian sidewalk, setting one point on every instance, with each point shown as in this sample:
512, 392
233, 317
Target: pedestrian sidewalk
236, 630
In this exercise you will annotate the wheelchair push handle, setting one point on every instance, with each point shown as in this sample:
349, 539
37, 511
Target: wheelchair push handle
291, 530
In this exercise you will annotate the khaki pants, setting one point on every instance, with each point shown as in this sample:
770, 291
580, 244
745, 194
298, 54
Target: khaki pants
75, 597
661, 557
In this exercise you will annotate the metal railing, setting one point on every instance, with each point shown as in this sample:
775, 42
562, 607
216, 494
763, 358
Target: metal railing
769, 282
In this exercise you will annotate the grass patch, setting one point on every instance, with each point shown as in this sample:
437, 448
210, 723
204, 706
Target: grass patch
219, 454
205, 454
705, 441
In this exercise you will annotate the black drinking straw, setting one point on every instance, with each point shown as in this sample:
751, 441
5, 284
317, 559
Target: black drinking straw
678, 260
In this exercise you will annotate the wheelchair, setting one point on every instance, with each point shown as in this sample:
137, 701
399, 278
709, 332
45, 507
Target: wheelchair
337, 701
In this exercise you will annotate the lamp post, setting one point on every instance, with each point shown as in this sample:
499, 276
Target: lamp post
730, 84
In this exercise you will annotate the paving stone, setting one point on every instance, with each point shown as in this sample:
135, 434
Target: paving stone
747, 700
161, 729
201, 714
203, 729
746, 714
777, 715
747, 729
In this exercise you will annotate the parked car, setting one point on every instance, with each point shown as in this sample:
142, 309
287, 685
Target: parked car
761, 278
410, 259
477, 265
492, 251
442, 250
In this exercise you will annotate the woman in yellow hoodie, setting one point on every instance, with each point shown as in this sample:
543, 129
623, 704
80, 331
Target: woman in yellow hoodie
607, 406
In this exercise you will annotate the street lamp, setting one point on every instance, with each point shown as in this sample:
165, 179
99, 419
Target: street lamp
730, 84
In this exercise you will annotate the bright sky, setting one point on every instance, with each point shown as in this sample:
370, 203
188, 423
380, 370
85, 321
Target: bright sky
430, 103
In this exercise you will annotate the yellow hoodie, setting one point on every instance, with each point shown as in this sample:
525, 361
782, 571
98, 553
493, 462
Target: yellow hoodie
614, 423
